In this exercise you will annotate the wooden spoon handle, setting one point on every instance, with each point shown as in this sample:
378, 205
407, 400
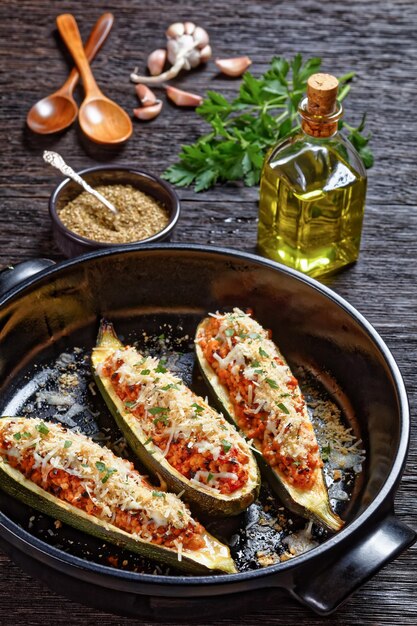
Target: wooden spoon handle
96, 39
69, 32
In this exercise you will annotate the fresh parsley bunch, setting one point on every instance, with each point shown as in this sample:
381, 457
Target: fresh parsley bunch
264, 112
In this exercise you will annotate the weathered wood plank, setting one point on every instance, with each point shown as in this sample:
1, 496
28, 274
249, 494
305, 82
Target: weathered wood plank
377, 40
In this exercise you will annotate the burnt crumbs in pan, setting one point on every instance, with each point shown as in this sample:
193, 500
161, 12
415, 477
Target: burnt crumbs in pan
61, 389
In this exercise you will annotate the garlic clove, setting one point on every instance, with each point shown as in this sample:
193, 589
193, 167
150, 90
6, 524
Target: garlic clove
205, 54
183, 98
172, 50
189, 28
200, 37
175, 30
148, 112
233, 67
194, 58
156, 61
145, 95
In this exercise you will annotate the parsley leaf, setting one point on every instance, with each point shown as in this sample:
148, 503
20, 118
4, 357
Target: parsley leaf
242, 130
272, 383
42, 428
226, 445
158, 409
158, 494
283, 408
160, 367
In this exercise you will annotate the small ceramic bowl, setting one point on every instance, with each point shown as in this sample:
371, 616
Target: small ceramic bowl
71, 244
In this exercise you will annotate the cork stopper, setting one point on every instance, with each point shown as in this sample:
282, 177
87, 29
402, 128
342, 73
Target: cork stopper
322, 94
321, 110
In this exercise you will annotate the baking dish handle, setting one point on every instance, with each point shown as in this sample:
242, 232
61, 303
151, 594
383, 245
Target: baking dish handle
328, 583
11, 276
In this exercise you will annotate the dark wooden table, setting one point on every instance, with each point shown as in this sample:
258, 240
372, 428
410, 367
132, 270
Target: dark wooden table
374, 38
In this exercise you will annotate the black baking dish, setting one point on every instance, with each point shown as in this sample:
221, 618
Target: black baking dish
62, 305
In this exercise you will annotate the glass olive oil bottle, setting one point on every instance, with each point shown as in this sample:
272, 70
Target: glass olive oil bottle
313, 187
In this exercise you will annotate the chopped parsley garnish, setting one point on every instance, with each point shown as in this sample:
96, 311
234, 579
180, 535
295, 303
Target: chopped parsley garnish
42, 428
160, 367
149, 439
272, 383
263, 353
161, 418
296, 463
325, 452
226, 445
108, 471
180, 514
158, 494
210, 477
197, 407
26, 435
155, 410
282, 407
67, 443
255, 364
258, 371
130, 404
170, 386
141, 362
254, 336
145, 372
229, 332
17, 436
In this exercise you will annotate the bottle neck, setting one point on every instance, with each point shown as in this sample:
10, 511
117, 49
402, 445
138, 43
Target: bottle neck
319, 125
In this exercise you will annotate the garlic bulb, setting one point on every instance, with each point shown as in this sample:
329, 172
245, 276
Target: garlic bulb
187, 47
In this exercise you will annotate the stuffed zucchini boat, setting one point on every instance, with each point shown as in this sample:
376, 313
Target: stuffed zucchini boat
174, 432
258, 391
66, 475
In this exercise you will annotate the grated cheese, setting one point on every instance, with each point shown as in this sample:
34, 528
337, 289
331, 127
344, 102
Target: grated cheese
172, 410
123, 489
272, 389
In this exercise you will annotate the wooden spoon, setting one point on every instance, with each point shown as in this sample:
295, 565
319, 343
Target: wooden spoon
58, 110
101, 119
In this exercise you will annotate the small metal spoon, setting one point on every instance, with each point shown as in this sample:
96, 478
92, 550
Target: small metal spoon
58, 110
56, 160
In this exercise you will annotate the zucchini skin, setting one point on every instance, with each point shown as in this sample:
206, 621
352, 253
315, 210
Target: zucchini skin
313, 503
13, 482
202, 502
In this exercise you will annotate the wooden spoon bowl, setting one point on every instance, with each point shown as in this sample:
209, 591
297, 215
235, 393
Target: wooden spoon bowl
59, 110
101, 119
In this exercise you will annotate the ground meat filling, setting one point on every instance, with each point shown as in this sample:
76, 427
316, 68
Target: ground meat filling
186, 452
254, 422
73, 490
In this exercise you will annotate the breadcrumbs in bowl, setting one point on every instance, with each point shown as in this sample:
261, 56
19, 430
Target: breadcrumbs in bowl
148, 210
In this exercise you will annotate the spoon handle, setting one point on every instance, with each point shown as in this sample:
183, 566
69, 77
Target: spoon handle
69, 32
56, 160
96, 39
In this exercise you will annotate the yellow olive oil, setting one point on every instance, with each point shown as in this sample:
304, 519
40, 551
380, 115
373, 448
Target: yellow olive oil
311, 206
312, 192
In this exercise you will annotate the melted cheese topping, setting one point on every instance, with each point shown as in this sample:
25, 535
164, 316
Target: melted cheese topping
112, 483
243, 349
172, 412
